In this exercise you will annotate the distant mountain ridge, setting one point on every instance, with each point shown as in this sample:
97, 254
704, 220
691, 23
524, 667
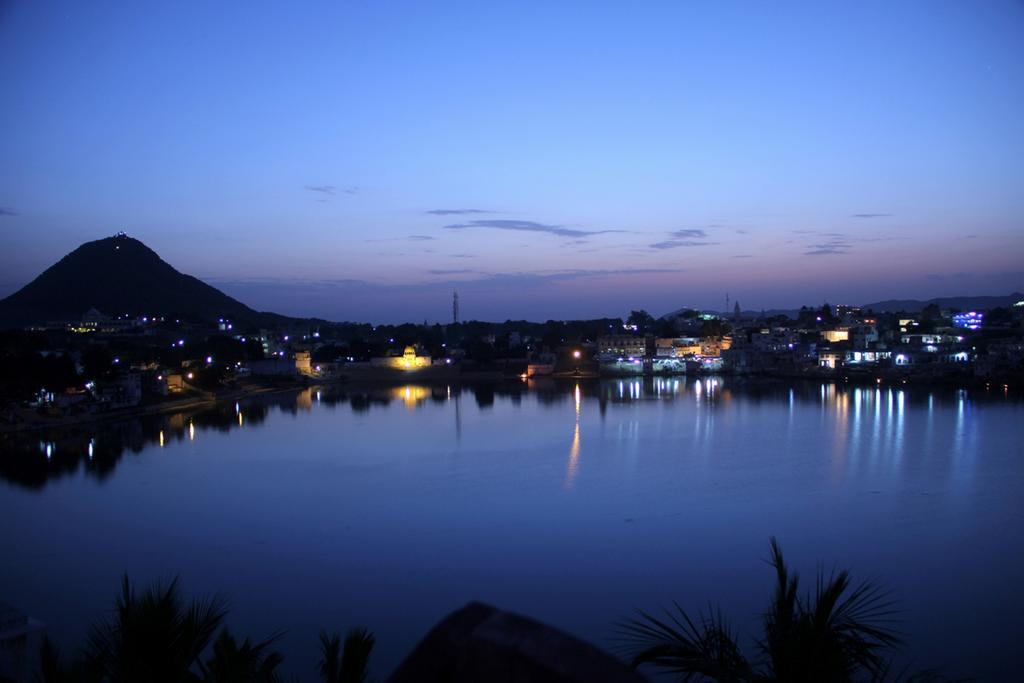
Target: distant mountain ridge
963, 303
120, 275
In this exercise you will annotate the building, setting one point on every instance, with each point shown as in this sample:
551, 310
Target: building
409, 360
624, 345
839, 334
863, 336
272, 367
831, 359
677, 347
713, 346
971, 320
123, 391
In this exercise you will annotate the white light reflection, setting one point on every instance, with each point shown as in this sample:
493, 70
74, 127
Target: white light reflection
574, 450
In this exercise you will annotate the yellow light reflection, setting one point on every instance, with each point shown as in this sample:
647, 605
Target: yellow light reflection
239, 418
191, 431
412, 395
161, 438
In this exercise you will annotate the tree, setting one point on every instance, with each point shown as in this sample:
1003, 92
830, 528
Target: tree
839, 634
715, 328
349, 663
154, 637
643, 320
97, 362
248, 663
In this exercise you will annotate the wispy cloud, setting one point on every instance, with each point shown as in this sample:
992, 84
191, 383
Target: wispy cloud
456, 212
689, 233
527, 226
451, 271
540, 278
674, 244
836, 242
834, 246
420, 238
7, 211
688, 237
331, 189
870, 215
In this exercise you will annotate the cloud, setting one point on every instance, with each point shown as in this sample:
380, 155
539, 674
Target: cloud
870, 215
673, 244
7, 211
331, 189
540, 278
686, 237
420, 238
827, 248
452, 271
837, 242
456, 212
527, 226
686, 234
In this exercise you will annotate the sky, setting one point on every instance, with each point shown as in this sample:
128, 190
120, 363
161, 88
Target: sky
363, 160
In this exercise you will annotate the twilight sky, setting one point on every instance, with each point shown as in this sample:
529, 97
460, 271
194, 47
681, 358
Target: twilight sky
361, 160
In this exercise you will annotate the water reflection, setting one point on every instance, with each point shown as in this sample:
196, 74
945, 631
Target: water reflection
868, 426
574, 450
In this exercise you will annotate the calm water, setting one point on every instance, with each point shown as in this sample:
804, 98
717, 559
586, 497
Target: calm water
571, 503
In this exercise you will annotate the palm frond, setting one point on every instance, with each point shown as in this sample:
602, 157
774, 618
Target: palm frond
355, 656
701, 650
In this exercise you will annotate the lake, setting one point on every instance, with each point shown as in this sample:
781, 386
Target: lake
572, 503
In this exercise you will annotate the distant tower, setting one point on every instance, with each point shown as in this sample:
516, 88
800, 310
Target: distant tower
736, 311
455, 308
726, 302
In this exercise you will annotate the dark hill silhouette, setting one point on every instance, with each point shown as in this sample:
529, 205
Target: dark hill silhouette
120, 275
963, 303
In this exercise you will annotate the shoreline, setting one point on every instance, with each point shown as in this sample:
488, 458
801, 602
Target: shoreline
370, 381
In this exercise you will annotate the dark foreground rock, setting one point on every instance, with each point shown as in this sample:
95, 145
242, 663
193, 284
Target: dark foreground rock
483, 643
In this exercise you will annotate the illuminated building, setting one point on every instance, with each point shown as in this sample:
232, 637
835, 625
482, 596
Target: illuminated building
622, 345
713, 346
409, 360
677, 347
971, 320
830, 359
837, 335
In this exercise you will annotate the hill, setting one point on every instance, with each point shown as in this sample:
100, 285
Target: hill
963, 303
120, 275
